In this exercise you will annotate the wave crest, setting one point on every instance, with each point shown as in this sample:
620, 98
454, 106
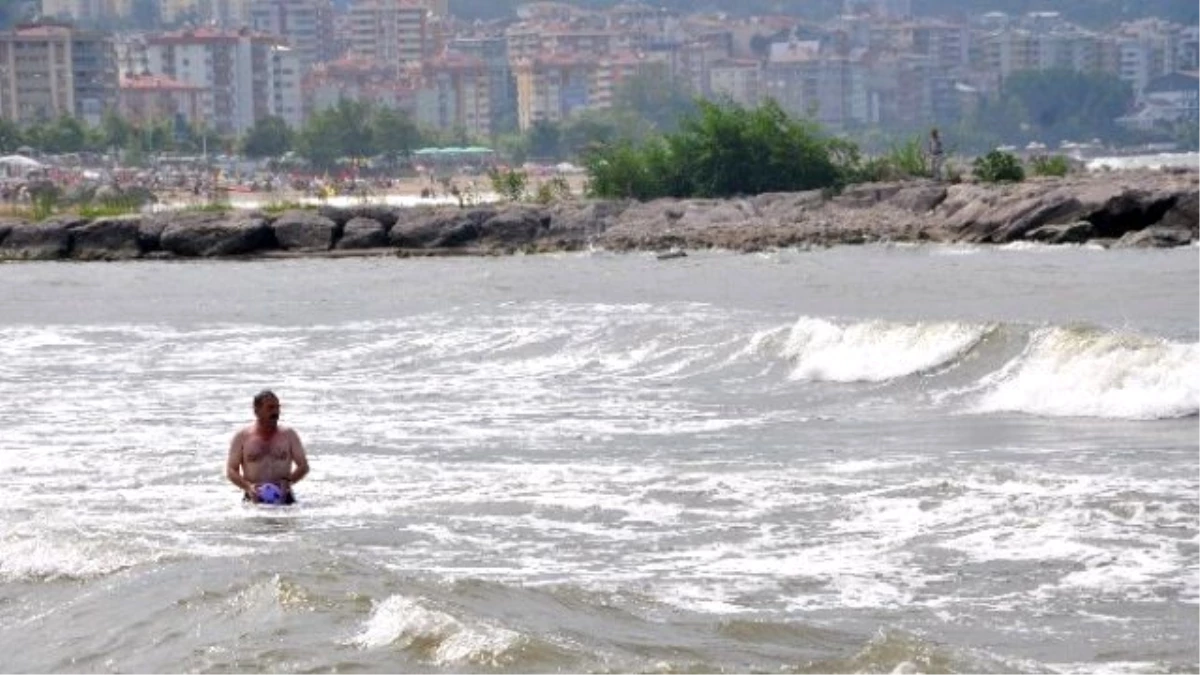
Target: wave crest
436, 636
875, 351
1084, 372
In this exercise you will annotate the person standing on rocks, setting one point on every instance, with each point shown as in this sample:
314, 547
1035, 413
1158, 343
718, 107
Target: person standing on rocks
936, 154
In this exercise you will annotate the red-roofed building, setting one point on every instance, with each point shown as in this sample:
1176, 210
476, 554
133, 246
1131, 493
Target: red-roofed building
153, 98
49, 70
360, 80
250, 75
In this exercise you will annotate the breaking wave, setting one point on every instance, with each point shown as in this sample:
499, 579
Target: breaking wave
874, 351
1083, 372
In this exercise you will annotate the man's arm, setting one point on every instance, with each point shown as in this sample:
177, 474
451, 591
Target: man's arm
299, 458
233, 465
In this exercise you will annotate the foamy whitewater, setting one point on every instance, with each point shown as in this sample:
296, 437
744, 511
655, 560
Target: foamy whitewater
863, 459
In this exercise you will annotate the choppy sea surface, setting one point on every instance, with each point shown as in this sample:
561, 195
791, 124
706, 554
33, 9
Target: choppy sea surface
863, 459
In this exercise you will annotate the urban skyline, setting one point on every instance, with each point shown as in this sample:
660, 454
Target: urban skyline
874, 65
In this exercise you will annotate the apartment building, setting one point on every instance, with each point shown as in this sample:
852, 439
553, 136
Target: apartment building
360, 80
692, 60
737, 80
1167, 101
948, 45
614, 71
1006, 51
156, 98
551, 86
647, 28
391, 32
47, 71
284, 92
305, 25
502, 90
454, 94
829, 88
248, 74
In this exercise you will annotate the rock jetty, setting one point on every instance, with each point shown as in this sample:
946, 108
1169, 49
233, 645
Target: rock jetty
1118, 209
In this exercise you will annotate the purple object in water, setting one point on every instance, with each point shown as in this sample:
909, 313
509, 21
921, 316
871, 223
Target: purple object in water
270, 493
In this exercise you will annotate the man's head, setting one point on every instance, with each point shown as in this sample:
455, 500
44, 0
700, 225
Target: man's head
266, 407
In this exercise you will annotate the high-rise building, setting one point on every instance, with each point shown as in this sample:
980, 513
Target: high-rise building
250, 75
502, 88
390, 32
47, 71
454, 94
305, 25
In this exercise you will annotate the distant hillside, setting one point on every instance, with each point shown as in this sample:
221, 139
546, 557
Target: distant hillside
1097, 13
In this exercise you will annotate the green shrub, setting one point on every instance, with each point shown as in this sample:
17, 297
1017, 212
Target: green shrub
108, 208
908, 159
1054, 165
555, 189
509, 183
724, 151
998, 166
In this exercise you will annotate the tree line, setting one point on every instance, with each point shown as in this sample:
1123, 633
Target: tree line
1044, 106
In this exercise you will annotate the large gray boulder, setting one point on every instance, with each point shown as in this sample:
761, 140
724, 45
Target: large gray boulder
575, 224
216, 234
301, 230
362, 233
865, 195
920, 199
446, 227
1184, 213
514, 226
6, 226
45, 240
116, 238
1068, 233
1155, 236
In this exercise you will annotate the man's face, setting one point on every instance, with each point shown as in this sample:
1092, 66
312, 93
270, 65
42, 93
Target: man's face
267, 412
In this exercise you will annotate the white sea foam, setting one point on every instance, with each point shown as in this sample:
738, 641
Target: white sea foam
407, 623
1091, 373
55, 557
1154, 161
874, 351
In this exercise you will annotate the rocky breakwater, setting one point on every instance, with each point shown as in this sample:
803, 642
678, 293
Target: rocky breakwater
1145, 208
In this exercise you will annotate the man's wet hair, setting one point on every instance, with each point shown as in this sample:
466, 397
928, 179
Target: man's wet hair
262, 396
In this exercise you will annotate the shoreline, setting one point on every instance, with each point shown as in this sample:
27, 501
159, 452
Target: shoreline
1134, 208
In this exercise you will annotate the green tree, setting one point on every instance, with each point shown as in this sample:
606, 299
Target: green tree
269, 137
395, 134
10, 136
660, 100
341, 131
545, 140
590, 128
116, 131
65, 134
1062, 104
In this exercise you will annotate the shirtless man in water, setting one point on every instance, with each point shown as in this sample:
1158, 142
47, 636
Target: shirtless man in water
264, 452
